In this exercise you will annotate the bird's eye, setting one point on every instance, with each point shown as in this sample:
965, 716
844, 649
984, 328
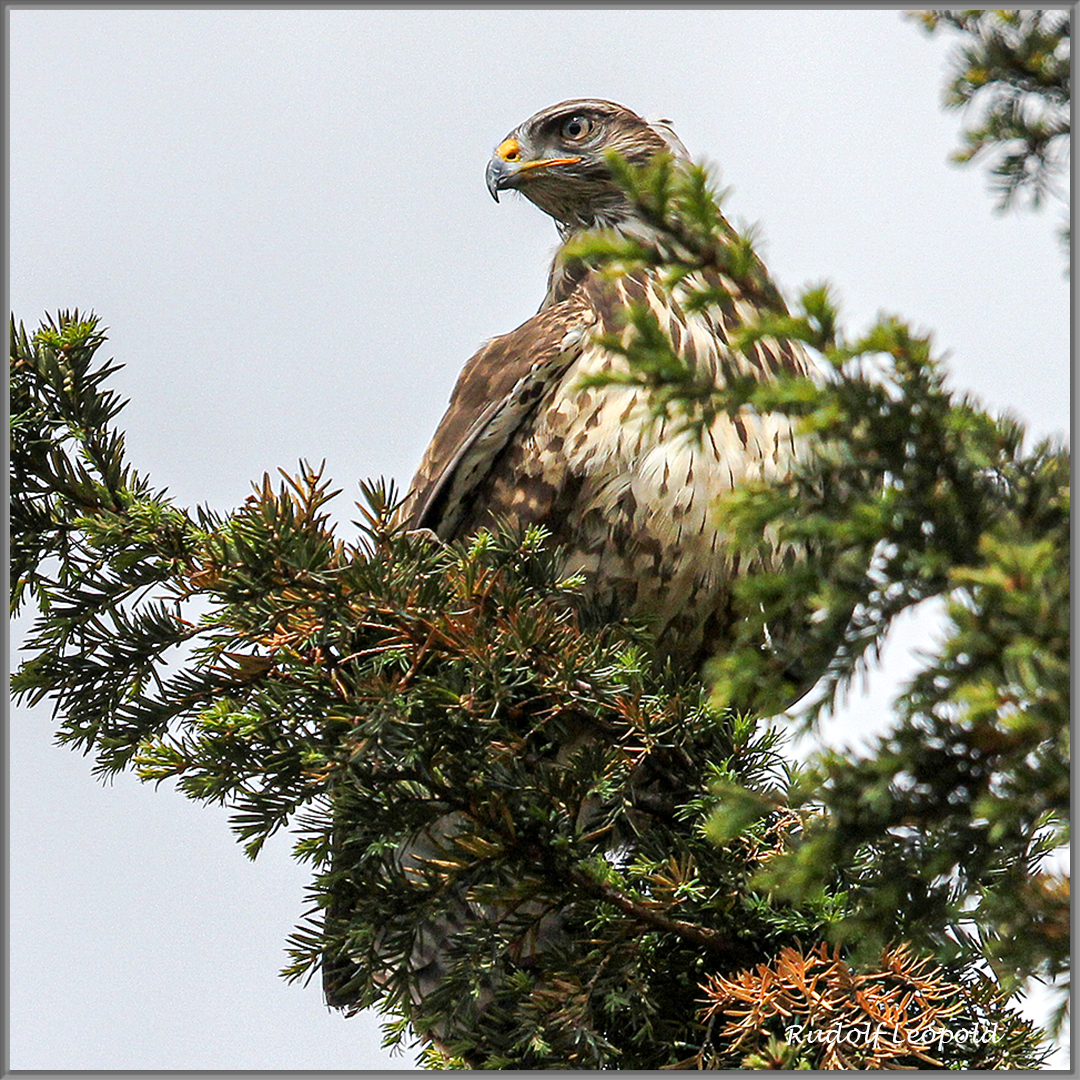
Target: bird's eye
577, 127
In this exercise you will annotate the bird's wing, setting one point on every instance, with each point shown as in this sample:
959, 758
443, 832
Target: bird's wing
498, 388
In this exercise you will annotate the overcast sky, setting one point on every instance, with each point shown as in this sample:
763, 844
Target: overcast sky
282, 219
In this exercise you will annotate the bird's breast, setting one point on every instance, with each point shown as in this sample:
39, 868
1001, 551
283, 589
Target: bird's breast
643, 517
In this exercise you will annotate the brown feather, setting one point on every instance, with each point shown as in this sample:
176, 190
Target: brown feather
633, 503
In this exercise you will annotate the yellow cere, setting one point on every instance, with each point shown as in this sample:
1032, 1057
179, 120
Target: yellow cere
509, 150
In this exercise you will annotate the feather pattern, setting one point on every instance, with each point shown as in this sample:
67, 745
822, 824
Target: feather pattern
632, 500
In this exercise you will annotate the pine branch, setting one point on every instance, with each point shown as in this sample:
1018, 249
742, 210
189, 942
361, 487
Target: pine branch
913, 493
1013, 69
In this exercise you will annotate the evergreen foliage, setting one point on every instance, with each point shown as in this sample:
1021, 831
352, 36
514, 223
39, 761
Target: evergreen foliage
648, 881
375, 691
1012, 68
940, 835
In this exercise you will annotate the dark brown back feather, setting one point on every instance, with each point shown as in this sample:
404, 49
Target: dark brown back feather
496, 391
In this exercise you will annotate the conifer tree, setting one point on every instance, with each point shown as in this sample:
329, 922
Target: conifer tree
657, 884
1011, 68
368, 691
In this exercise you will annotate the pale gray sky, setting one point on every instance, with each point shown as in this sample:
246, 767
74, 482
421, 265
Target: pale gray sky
281, 217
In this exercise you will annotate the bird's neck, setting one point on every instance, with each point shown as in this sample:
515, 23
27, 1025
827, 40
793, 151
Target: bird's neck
568, 271
614, 214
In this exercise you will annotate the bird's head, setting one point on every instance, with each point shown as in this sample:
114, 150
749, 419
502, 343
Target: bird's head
556, 159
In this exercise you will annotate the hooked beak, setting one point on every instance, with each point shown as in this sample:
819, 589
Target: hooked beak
498, 176
506, 166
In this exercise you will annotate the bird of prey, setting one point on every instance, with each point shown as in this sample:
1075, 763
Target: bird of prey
631, 501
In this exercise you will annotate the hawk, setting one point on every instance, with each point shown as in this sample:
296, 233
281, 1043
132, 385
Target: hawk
631, 501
